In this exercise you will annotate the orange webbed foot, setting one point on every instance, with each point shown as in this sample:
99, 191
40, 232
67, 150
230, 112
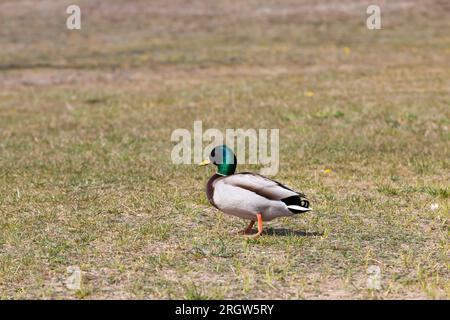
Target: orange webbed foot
249, 229
260, 226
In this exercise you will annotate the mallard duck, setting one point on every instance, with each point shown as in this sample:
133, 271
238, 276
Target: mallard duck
249, 195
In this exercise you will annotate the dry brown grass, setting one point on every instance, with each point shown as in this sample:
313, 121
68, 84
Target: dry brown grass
85, 124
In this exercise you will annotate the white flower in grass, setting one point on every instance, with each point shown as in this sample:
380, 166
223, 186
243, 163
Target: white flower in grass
373, 278
73, 282
434, 206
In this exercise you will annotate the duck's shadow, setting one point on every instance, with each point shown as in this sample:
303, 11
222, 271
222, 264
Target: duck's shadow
289, 232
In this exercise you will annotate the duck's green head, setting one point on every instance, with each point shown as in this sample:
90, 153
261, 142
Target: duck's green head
224, 158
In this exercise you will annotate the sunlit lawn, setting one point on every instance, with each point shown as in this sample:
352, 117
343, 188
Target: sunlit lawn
86, 177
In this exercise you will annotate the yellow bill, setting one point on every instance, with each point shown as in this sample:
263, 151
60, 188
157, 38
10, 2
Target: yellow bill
205, 162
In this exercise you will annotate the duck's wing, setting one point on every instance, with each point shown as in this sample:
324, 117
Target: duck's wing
262, 186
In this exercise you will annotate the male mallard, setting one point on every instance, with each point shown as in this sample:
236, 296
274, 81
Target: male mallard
249, 195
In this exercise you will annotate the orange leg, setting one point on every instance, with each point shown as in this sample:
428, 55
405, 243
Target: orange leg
260, 225
249, 228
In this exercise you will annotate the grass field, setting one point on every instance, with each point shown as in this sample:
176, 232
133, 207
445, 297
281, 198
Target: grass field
86, 177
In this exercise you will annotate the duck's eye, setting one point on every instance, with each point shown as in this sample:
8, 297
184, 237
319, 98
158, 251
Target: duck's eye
212, 156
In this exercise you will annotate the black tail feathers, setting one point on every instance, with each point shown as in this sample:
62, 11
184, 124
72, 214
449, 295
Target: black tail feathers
296, 204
